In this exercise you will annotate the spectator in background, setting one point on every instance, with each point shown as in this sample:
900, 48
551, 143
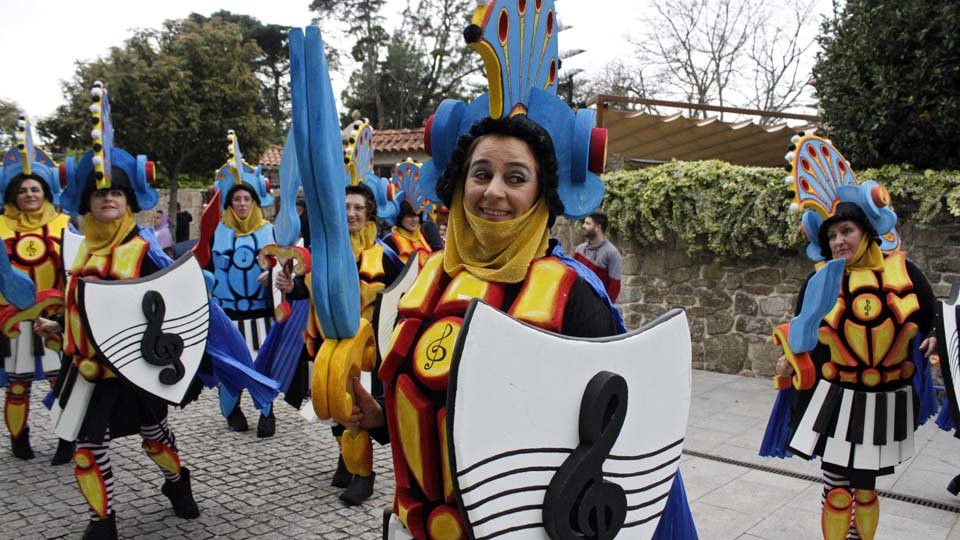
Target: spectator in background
304, 223
183, 224
161, 227
599, 255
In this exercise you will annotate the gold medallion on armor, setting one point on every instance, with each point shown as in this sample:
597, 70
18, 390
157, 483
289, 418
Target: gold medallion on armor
30, 248
434, 350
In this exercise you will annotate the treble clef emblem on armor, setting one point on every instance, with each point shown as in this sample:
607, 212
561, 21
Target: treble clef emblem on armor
159, 348
31, 249
436, 352
579, 503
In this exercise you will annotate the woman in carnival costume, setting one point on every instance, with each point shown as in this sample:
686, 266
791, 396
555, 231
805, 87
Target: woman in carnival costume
406, 237
32, 230
240, 285
852, 374
506, 166
377, 267
107, 187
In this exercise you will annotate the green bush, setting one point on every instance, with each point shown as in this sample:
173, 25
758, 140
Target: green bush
731, 211
888, 82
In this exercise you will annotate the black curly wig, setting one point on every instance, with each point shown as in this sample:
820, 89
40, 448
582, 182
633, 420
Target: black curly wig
118, 180
846, 211
10, 196
237, 187
518, 126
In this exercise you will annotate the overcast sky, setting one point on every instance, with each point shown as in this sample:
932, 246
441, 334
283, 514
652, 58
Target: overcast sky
54, 34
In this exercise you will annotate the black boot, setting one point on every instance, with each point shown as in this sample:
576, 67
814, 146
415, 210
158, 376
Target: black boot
181, 496
342, 477
266, 426
64, 453
102, 530
237, 421
21, 445
360, 489
954, 486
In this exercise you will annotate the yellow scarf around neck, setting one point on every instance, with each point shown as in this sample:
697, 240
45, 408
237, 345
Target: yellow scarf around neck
363, 239
497, 251
868, 256
29, 221
411, 236
102, 236
243, 227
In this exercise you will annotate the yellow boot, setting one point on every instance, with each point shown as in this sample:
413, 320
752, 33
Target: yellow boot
867, 513
835, 518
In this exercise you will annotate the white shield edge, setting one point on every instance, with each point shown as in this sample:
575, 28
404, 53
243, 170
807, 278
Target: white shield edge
537, 379
388, 300
115, 323
69, 247
949, 348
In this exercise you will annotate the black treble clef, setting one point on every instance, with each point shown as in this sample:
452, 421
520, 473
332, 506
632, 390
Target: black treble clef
156, 347
436, 352
31, 249
579, 503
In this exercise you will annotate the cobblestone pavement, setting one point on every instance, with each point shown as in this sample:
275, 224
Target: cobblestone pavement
277, 488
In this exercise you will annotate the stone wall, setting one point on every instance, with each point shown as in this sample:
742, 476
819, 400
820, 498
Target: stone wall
733, 305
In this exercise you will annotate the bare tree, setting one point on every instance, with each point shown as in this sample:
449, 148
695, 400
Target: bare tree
700, 45
776, 62
625, 79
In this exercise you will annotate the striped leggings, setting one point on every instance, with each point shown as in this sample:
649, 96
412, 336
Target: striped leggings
101, 452
831, 481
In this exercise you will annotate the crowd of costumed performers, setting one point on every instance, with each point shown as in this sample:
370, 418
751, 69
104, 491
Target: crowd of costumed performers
500, 331
854, 381
138, 330
240, 286
32, 230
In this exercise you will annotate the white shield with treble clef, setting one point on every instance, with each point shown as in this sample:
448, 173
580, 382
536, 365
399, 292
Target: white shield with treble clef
544, 428
152, 330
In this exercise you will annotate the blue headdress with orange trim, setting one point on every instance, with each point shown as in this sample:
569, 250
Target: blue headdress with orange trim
517, 40
28, 160
821, 179
99, 163
227, 174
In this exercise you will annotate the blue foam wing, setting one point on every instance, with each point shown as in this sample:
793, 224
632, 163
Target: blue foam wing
335, 282
287, 226
15, 286
818, 299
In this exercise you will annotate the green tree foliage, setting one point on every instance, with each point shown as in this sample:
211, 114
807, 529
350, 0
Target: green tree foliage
888, 80
423, 62
731, 211
174, 93
272, 65
9, 114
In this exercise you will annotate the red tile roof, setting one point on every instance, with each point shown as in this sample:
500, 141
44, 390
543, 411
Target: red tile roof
271, 156
398, 140
385, 140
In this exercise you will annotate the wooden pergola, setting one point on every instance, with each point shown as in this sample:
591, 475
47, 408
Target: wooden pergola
644, 138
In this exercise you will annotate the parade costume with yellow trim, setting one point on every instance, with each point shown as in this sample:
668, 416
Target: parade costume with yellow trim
852, 342
406, 179
32, 241
94, 404
515, 272
377, 267
235, 248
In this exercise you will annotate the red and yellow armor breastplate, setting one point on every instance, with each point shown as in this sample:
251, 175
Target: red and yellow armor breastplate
406, 247
870, 329
123, 262
372, 273
36, 253
416, 367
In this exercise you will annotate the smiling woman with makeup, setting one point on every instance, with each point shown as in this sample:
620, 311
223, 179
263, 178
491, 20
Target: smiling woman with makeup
32, 231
